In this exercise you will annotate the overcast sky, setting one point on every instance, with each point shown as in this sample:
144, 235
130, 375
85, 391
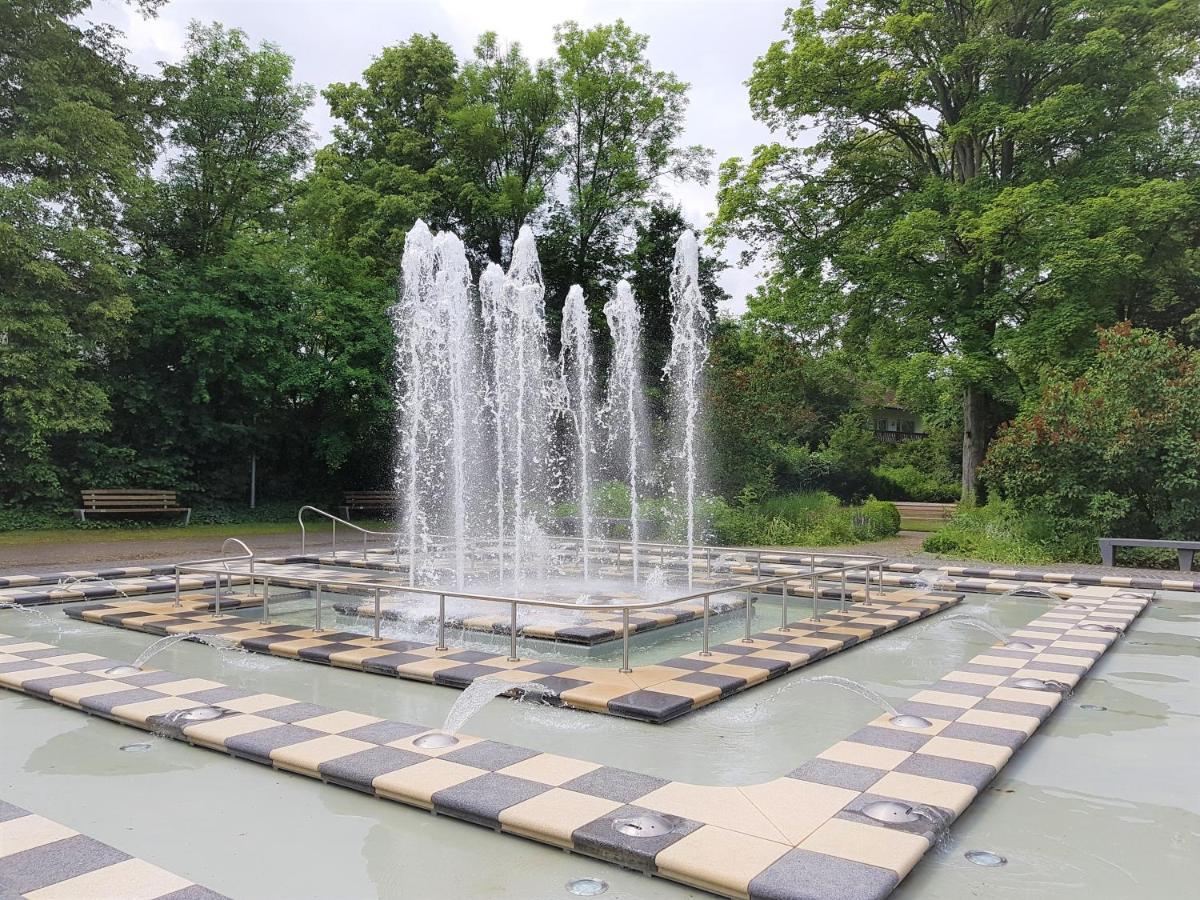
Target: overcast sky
712, 44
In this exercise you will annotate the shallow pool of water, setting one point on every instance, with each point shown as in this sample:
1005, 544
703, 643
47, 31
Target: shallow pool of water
1099, 804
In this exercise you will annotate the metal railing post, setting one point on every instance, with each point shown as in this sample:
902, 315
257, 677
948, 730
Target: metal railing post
842, 602
318, 617
378, 614
749, 611
784, 592
177, 585
441, 644
867, 582
704, 651
364, 546
625, 642
512, 634
266, 598
333, 549
217, 596
816, 609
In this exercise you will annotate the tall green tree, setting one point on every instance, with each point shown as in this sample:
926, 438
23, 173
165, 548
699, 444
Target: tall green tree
75, 131
202, 383
502, 134
622, 123
989, 181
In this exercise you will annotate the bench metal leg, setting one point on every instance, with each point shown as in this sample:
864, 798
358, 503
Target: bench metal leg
1186, 557
81, 515
1106, 553
187, 519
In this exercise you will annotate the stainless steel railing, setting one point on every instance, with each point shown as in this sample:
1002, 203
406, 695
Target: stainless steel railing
853, 563
224, 561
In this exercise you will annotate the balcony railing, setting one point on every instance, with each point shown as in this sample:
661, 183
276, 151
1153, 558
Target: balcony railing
898, 437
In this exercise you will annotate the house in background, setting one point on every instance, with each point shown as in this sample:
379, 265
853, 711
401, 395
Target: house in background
893, 423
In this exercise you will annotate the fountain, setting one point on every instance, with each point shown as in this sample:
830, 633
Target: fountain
895, 717
478, 694
624, 408
973, 622
685, 371
576, 367
146, 655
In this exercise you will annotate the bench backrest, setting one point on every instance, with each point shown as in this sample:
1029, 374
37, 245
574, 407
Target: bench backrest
356, 498
912, 510
128, 498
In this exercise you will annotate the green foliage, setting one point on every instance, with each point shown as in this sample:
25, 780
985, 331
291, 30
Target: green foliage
813, 519
988, 182
907, 482
996, 532
1113, 452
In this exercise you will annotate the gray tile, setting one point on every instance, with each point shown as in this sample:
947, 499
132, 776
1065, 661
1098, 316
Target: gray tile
384, 732
600, 839
257, 745
837, 774
149, 679
978, 775
726, 683
219, 695
41, 687
489, 755
1033, 710
892, 738
962, 687
359, 770
482, 799
620, 785
194, 892
294, 712
1004, 737
804, 875
8, 811
935, 821
929, 710
650, 706
58, 861
104, 704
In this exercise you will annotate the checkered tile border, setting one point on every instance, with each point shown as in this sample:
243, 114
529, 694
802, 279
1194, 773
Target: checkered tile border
43, 860
653, 693
799, 837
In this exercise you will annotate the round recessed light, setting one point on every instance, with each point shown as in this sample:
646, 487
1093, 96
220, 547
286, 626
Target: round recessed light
985, 858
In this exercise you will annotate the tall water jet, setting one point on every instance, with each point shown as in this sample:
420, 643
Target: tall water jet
576, 369
436, 360
690, 320
624, 408
495, 323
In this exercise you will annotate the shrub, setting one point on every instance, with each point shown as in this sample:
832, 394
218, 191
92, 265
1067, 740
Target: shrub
1114, 451
907, 482
882, 519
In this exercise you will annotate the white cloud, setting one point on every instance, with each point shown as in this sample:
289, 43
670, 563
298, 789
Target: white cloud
529, 22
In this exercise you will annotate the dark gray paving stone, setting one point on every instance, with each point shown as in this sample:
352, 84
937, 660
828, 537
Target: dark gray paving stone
1004, 737
387, 665
489, 755
650, 706
546, 668
384, 732
977, 775
681, 663
462, 676
104, 704
482, 799
40, 654
469, 656
149, 679
804, 875
837, 774
620, 785
928, 826
321, 654
929, 710
585, 634
359, 770
814, 651
294, 712
402, 646
892, 738
738, 649
8, 811
726, 683
193, 892
775, 667
600, 839
556, 687
985, 670
58, 861
962, 687
19, 666
257, 745
1033, 710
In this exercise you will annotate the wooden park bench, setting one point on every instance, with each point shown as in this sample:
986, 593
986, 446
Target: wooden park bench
1186, 550
370, 501
129, 502
928, 512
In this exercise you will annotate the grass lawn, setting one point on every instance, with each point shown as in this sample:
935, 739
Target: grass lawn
929, 525
166, 532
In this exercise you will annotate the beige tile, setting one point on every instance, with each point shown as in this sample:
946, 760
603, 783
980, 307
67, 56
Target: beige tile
306, 756
257, 703
752, 674
726, 807
945, 698
337, 722
700, 694
649, 676
975, 678
214, 734
883, 847
930, 791
796, 807
1003, 662
549, 768
857, 754
718, 860
554, 815
69, 659
131, 879
598, 675
186, 686
1032, 671
36, 670
27, 832
291, 649
423, 670
1017, 695
970, 751
417, 784
595, 696
71, 694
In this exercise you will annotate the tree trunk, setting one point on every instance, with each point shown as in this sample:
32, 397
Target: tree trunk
975, 441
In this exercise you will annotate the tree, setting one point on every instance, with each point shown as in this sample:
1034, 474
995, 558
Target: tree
502, 135
622, 120
202, 383
76, 127
1113, 451
989, 181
